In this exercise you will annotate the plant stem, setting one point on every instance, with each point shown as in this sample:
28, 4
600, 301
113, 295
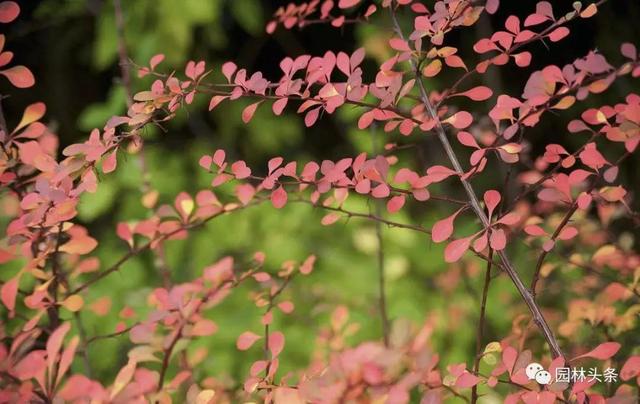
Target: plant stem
526, 295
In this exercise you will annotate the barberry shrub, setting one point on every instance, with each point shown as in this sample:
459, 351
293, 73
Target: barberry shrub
562, 205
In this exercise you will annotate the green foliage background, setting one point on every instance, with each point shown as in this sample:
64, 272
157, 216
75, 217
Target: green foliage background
72, 44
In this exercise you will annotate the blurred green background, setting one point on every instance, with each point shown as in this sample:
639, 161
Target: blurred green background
71, 46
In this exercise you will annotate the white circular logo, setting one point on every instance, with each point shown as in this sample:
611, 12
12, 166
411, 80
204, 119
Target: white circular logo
543, 377
533, 369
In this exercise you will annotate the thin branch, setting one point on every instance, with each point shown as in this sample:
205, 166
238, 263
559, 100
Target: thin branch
554, 236
477, 208
382, 298
134, 252
481, 324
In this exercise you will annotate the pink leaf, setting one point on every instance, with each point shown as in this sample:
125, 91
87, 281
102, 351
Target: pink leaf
498, 240
399, 45
278, 106
330, 219
479, 93
228, 69
558, 34
568, 233
460, 120
443, 229
491, 200
156, 60
240, 170
248, 112
286, 307
245, 193
467, 139
395, 203
218, 157
279, 198
602, 352
276, 343
32, 365
492, 6
246, 340
348, 3
467, 380
67, 358
522, 59
380, 191
54, 343
456, 249
205, 162
311, 117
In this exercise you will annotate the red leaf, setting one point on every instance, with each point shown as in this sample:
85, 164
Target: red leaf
248, 112
631, 368
603, 351
9, 11
19, 76
456, 249
279, 198
9, 292
246, 340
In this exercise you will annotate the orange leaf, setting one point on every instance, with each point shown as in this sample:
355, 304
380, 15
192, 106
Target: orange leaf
19, 76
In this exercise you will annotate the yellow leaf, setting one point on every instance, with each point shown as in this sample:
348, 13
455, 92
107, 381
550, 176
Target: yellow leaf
601, 117
187, 206
565, 102
205, 396
493, 347
433, 68
150, 199
73, 303
123, 378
